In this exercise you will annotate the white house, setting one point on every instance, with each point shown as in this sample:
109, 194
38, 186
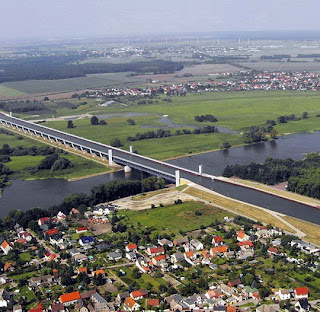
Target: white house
5, 247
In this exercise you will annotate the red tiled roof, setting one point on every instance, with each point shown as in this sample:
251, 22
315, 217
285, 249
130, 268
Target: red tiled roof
273, 250
129, 302
219, 249
153, 302
83, 228
51, 232
156, 249
301, 291
132, 246
98, 272
218, 239
246, 243
137, 293
160, 257
70, 297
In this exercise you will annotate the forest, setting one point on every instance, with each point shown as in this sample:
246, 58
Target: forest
62, 67
303, 176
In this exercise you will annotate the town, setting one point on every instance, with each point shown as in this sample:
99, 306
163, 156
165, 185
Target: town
95, 259
240, 81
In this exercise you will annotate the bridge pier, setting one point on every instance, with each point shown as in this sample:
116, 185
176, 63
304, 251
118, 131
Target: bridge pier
177, 178
127, 169
131, 149
110, 157
200, 169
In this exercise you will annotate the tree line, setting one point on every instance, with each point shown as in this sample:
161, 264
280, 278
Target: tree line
303, 176
99, 194
207, 117
161, 133
68, 66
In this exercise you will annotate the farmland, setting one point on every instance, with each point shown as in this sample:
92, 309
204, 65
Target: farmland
9, 92
236, 111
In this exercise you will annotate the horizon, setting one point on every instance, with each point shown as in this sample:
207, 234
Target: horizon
34, 19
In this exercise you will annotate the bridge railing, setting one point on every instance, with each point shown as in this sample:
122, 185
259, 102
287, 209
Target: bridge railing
98, 143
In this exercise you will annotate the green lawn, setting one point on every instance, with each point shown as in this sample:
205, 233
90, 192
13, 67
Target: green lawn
177, 217
25, 256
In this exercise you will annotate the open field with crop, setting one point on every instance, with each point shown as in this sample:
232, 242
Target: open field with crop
73, 84
283, 66
185, 217
196, 71
6, 92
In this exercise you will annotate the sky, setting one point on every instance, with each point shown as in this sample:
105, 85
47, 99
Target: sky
88, 18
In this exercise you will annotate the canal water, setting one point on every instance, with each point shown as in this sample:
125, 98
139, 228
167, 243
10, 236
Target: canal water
45, 193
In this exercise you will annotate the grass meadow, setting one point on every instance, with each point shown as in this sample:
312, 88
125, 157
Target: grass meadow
185, 217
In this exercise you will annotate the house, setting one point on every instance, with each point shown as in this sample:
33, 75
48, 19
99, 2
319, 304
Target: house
132, 256
4, 298
5, 247
139, 294
51, 232
180, 241
177, 257
190, 255
69, 298
115, 255
82, 270
242, 236
157, 260
165, 242
17, 308
284, 294
272, 251
4, 279
154, 303
122, 296
197, 245
61, 216
301, 293
43, 222
244, 245
130, 305
268, 308
25, 235
98, 272
86, 241
234, 283
218, 250
41, 280
302, 305
131, 248
155, 251
57, 307
217, 241
82, 229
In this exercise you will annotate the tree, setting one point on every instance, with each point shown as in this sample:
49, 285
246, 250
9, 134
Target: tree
47, 162
282, 119
273, 133
131, 122
225, 145
305, 115
94, 120
70, 124
136, 273
116, 142
61, 164
103, 122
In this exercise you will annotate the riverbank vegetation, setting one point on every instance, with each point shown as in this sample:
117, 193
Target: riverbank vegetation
26, 159
303, 176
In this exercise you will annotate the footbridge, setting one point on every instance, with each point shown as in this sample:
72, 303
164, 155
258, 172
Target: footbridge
114, 155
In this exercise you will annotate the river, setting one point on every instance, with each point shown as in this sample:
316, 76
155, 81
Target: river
45, 193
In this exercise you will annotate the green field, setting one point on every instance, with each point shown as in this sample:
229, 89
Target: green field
185, 217
73, 84
9, 91
21, 164
235, 110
